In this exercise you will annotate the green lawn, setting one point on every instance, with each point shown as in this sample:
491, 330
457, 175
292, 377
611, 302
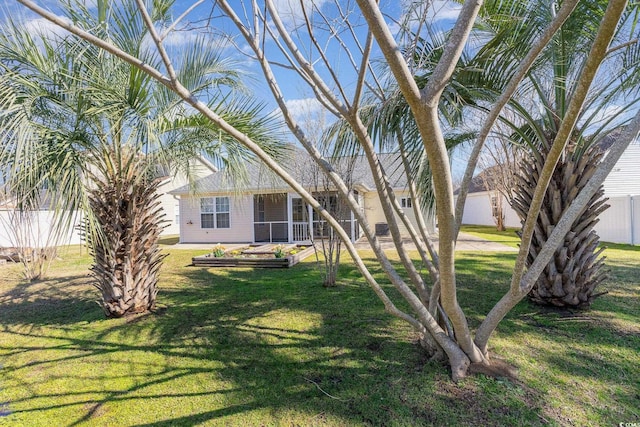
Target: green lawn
507, 237
273, 347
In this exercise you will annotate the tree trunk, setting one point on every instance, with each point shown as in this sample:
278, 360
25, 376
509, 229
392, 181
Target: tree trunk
127, 258
570, 278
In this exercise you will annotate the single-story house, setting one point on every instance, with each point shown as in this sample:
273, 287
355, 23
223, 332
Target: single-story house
263, 208
618, 224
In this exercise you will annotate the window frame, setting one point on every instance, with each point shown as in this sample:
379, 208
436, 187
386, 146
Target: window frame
406, 203
213, 210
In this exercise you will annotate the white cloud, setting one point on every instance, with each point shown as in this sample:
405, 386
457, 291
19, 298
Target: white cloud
181, 38
304, 109
291, 12
45, 29
415, 15
444, 10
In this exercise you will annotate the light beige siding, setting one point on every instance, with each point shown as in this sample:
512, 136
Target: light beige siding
241, 221
170, 203
375, 215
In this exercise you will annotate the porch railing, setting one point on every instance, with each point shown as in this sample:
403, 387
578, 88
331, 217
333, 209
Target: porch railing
300, 231
271, 231
278, 231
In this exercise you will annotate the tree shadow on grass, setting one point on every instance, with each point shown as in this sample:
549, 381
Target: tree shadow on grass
594, 346
233, 345
59, 300
483, 274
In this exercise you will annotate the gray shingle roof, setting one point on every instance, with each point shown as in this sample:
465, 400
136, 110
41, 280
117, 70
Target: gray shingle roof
259, 178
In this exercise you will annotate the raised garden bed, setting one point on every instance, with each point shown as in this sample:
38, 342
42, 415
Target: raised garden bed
257, 256
9, 254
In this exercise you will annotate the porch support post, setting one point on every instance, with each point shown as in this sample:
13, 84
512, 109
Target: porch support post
352, 225
289, 217
253, 215
310, 220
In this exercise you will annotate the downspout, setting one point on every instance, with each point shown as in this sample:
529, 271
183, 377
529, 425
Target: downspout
631, 212
180, 228
290, 217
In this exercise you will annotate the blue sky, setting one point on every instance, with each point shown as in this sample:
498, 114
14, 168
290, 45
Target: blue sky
299, 96
294, 89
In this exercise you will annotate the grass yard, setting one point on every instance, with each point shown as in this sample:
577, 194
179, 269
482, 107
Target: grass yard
238, 347
507, 237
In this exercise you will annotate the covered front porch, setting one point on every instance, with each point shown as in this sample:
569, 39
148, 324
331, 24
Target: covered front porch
286, 218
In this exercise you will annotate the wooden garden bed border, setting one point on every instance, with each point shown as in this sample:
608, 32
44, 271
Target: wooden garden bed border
286, 262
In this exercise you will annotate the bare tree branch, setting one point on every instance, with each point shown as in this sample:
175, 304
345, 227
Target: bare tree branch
175, 23
157, 40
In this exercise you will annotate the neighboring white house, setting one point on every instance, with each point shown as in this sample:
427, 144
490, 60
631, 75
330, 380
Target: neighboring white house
199, 168
263, 208
618, 224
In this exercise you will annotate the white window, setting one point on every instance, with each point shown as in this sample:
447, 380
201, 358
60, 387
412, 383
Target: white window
405, 202
299, 211
176, 213
214, 212
222, 212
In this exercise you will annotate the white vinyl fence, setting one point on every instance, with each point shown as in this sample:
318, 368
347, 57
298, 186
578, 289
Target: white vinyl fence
39, 234
618, 224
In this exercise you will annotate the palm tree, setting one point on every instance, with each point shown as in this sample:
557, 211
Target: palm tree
97, 132
570, 278
572, 275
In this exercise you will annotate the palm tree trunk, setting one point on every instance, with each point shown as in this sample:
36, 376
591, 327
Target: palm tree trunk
570, 278
127, 258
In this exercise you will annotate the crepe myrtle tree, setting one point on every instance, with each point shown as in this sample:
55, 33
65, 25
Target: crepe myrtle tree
326, 241
305, 41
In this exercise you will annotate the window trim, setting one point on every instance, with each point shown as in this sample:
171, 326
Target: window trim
406, 202
214, 212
